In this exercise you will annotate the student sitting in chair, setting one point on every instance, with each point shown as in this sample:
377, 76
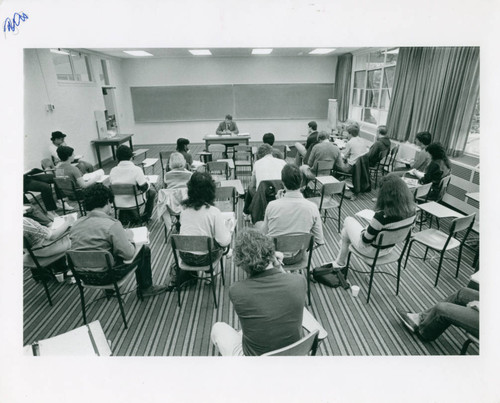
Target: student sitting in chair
324, 150
65, 168
178, 176
182, 147
381, 144
354, 149
268, 138
303, 151
422, 157
57, 140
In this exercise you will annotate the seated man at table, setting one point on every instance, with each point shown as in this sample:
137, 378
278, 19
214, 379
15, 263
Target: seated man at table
126, 172
227, 127
460, 309
303, 151
99, 231
291, 213
268, 138
265, 168
57, 140
354, 148
324, 150
66, 168
381, 144
269, 303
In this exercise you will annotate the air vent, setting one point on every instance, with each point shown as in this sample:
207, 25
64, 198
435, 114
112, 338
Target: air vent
456, 192
461, 171
475, 178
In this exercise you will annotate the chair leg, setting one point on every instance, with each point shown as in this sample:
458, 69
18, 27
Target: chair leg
370, 284
178, 285
425, 254
82, 301
324, 218
465, 346
213, 287
338, 222
47, 291
222, 270
119, 297
399, 276
408, 254
459, 259
308, 274
439, 267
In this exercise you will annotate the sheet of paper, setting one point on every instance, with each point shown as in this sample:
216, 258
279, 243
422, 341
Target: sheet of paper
366, 214
60, 220
141, 235
75, 342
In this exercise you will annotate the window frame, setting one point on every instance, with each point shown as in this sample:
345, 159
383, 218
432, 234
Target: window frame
88, 65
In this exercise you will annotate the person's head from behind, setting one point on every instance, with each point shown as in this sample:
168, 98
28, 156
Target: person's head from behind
201, 191
381, 131
65, 153
353, 130
263, 150
182, 144
57, 138
312, 126
228, 118
268, 138
124, 153
291, 176
97, 196
254, 251
437, 152
423, 139
394, 198
322, 136
177, 161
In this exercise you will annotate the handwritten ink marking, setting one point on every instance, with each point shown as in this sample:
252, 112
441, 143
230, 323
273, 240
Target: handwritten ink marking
11, 25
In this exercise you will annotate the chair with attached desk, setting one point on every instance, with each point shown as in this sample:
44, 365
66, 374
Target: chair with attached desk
385, 238
388, 165
168, 208
243, 158
218, 169
442, 242
321, 168
383, 160
40, 266
326, 201
66, 188
200, 244
291, 246
217, 151
139, 202
164, 160
94, 270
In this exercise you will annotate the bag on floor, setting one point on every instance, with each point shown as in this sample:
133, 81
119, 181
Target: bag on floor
329, 276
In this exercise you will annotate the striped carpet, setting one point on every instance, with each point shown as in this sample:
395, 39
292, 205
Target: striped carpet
158, 327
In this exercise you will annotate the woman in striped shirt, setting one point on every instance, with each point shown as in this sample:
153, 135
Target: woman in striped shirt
395, 208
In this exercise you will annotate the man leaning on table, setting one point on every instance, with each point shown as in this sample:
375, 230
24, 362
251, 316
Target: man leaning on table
227, 127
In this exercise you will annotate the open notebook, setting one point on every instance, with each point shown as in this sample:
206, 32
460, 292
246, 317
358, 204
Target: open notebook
60, 220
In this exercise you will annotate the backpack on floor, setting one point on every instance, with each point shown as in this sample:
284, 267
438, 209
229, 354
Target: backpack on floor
330, 276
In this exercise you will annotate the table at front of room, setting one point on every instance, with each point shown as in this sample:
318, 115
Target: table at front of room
113, 142
225, 139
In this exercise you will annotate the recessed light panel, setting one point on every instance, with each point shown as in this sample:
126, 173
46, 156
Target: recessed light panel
137, 53
321, 51
261, 51
200, 52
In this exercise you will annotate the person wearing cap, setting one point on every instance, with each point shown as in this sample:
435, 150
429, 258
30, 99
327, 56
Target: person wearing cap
182, 147
58, 140
227, 127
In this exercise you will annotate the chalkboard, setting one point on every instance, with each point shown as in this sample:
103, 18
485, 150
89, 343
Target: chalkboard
243, 101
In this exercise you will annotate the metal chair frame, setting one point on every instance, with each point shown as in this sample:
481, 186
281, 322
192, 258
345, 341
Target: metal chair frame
308, 345
330, 189
121, 189
66, 188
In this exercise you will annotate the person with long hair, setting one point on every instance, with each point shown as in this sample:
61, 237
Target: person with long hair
394, 208
201, 217
182, 147
438, 168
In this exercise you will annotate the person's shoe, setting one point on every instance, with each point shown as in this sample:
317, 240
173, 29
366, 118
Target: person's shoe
409, 319
348, 195
229, 254
68, 206
336, 265
154, 290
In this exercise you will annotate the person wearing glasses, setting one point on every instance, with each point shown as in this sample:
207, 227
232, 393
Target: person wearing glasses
227, 127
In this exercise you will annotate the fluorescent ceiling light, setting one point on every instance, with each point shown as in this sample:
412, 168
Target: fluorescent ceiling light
321, 51
200, 52
137, 53
261, 51
59, 51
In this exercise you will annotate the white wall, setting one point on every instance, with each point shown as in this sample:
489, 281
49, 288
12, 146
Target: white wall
205, 71
74, 103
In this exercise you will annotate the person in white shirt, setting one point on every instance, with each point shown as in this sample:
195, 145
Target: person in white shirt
265, 168
354, 149
126, 172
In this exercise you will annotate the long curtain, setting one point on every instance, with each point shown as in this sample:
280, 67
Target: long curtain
435, 90
342, 89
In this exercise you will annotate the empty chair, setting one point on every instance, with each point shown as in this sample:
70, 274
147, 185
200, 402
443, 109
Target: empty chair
243, 158
385, 238
326, 201
218, 151
442, 242
308, 345
226, 198
219, 170
388, 165
297, 249
198, 244
94, 270
164, 157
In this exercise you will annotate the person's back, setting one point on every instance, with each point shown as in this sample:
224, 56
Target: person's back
268, 168
324, 151
376, 150
270, 308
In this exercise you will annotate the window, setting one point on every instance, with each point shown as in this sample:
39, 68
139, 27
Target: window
472, 145
372, 86
103, 72
71, 65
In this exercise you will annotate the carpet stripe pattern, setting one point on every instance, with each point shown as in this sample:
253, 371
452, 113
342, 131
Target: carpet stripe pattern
158, 327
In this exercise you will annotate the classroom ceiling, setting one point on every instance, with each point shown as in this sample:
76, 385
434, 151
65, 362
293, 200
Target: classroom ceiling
216, 52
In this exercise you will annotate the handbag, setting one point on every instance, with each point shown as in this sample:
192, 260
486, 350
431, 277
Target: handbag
330, 276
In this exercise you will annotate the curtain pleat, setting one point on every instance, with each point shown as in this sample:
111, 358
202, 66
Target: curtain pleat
342, 89
435, 89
